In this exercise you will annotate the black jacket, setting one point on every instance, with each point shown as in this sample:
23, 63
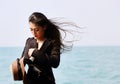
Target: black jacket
47, 57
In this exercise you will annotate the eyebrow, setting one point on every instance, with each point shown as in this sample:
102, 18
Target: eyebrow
34, 28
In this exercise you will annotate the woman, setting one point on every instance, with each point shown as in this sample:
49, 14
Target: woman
42, 51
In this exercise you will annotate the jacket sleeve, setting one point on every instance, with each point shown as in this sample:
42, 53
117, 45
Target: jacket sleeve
52, 59
25, 50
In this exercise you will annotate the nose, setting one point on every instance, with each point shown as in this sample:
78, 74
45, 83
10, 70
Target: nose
34, 32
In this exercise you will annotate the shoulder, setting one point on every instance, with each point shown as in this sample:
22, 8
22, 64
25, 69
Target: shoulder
30, 39
52, 43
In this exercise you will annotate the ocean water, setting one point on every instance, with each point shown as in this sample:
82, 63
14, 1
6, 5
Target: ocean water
82, 65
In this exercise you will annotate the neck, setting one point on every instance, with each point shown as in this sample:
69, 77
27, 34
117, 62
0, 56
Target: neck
40, 39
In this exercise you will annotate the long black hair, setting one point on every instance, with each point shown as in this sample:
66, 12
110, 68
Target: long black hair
52, 29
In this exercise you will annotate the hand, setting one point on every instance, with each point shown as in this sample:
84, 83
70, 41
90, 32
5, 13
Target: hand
28, 61
30, 51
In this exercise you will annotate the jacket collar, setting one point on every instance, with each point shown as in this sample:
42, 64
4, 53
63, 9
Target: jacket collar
34, 44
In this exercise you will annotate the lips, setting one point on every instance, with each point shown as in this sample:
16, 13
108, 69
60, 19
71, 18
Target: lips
35, 35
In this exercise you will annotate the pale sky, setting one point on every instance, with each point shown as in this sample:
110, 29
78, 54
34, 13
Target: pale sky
100, 17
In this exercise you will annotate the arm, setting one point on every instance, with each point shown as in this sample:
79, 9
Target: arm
52, 59
25, 50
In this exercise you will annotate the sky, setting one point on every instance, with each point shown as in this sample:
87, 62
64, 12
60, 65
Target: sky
101, 18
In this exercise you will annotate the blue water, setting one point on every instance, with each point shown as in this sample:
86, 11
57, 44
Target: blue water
82, 65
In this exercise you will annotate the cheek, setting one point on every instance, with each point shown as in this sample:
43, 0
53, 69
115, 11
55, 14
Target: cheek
32, 32
40, 33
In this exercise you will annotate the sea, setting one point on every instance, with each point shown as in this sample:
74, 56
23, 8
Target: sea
81, 65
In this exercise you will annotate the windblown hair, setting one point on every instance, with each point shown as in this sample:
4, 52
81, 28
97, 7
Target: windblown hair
53, 30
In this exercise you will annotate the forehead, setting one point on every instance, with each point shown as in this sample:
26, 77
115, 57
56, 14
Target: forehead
33, 25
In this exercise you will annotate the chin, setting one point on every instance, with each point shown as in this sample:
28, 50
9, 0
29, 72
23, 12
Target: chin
35, 37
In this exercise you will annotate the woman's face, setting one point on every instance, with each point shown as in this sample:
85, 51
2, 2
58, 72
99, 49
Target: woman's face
37, 31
